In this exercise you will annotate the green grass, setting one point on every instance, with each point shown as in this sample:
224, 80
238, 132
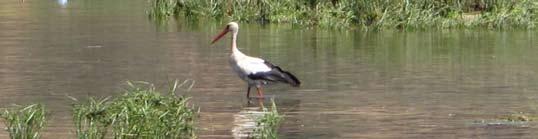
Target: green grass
267, 125
141, 112
359, 14
90, 119
24, 122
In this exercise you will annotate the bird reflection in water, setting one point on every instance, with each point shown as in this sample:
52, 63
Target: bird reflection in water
245, 120
62, 3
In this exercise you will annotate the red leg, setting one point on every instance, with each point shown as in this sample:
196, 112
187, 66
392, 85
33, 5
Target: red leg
248, 91
260, 92
260, 103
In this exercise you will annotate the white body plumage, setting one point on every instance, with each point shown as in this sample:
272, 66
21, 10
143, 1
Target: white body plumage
245, 65
255, 71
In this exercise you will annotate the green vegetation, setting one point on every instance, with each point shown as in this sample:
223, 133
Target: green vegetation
141, 112
361, 14
520, 117
90, 119
24, 122
267, 125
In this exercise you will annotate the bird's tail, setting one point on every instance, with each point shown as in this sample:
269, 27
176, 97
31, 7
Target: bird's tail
277, 74
287, 77
291, 79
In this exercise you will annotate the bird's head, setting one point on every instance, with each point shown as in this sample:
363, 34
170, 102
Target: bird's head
231, 27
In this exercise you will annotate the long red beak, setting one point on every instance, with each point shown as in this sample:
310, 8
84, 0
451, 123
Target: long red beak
221, 34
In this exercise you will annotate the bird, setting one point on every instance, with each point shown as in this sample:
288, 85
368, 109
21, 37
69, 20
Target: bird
256, 72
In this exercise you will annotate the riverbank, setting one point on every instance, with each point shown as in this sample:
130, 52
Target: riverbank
359, 14
141, 112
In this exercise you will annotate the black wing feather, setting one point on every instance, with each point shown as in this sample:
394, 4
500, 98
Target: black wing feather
276, 75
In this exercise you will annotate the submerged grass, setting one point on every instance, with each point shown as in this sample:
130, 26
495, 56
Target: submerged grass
520, 117
25, 122
267, 125
141, 112
361, 14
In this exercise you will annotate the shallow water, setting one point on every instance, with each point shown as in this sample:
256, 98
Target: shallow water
436, 84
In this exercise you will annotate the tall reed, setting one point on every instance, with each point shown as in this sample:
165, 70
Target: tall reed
362, 14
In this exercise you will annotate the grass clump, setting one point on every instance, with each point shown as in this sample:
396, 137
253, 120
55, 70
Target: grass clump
90, 119
361, 14
141, 112
25, 122
267, 125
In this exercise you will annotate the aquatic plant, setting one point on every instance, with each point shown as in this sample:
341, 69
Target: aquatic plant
520, 117
362, 14
90, 118
267, 125
141, 112
24, 122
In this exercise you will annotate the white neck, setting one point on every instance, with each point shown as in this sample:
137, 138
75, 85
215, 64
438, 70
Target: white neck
234, 43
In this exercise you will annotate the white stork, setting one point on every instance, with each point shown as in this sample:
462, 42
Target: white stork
255, 71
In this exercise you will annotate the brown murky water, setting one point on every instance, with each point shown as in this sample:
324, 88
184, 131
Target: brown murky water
439, 84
